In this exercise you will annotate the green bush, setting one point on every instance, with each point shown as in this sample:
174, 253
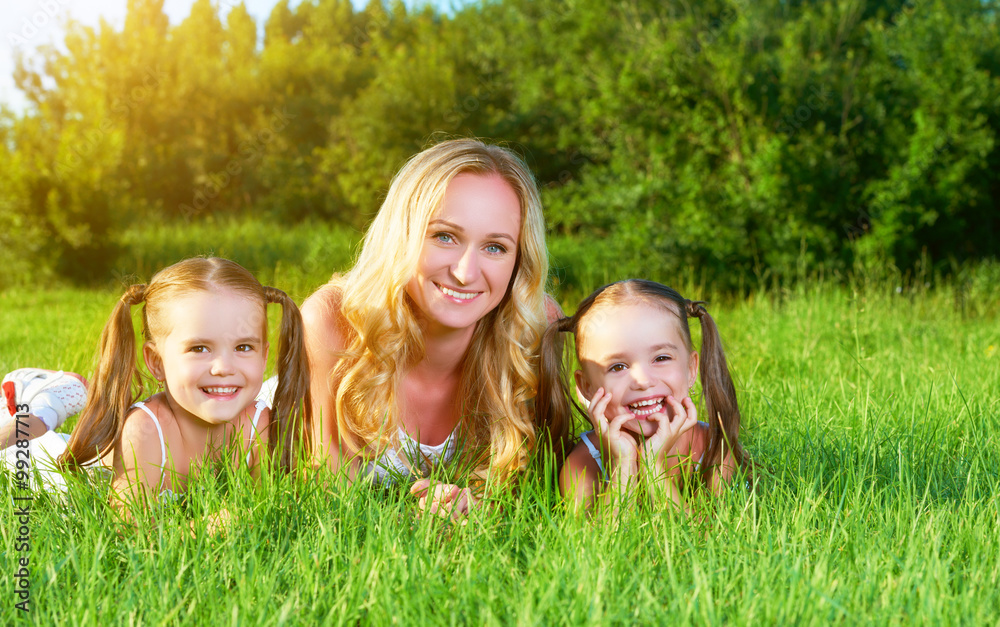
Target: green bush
744, 142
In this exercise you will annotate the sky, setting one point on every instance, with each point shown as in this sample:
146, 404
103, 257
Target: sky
25, 24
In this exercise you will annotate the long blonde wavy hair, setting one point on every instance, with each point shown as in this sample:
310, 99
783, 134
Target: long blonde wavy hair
499, 379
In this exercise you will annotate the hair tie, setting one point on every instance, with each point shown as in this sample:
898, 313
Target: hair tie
274, 295
135, 294
695, 308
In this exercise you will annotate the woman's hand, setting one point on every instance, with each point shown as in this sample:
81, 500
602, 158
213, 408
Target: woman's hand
668, 432
219, 523
216, 524
444, 499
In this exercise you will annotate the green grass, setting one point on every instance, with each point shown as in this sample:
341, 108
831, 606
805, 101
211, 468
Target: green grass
872, 414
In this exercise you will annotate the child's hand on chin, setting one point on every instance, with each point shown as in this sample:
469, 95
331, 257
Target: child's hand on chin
669, 429
618, 443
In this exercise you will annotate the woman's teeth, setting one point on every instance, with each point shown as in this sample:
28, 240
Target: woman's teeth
459, 295
645, 408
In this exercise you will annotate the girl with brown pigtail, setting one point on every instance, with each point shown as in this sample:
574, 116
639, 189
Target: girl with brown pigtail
204, 322
637, 367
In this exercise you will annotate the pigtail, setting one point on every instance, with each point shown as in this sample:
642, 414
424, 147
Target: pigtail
292, 403
115, 386
553, 407
721, 409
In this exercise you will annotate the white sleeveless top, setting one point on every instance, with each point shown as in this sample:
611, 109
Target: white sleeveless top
393, 464
169, 494
43, 451
411, 458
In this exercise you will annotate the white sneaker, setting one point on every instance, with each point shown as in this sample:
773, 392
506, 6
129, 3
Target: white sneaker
52, 396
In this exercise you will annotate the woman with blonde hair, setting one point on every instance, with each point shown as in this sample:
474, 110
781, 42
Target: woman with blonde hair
426, 350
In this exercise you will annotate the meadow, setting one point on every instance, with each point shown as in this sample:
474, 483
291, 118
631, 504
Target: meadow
870, 408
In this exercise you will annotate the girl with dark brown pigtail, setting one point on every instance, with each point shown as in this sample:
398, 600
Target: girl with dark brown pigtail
204, 322
637, 367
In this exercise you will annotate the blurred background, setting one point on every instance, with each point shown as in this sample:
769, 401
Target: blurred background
736, 143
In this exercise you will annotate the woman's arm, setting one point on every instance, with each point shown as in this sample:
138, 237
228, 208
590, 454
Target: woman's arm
324, 338
552, 309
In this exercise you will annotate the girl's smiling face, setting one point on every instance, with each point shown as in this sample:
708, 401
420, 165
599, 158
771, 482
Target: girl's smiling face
636, 352
213, 356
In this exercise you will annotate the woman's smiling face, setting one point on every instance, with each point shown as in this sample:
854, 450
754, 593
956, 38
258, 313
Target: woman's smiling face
469, 252
636, 352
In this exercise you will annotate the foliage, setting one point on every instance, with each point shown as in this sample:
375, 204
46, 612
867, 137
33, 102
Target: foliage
301, 256
752, 140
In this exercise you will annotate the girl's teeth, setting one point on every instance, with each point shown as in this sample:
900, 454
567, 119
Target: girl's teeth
645, 408
459, 295
220, 390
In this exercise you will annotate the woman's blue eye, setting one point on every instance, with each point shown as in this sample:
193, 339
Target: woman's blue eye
445, 238
495, 249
